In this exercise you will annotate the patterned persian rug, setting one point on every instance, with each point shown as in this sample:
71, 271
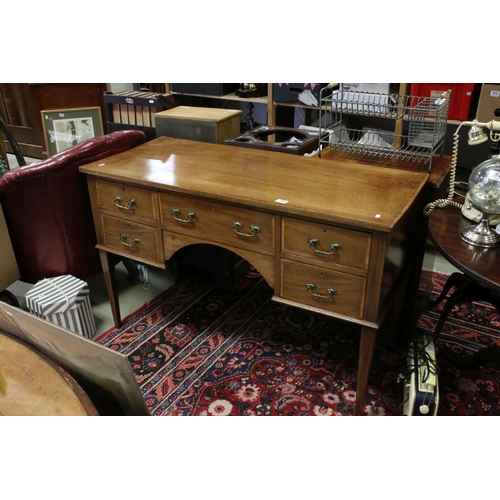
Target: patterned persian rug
196, 350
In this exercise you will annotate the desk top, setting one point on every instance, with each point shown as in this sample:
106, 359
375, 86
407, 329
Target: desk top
36, 386
363, 196
437, 176
480, 264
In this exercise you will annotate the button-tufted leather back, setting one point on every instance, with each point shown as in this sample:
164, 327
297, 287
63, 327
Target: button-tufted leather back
48, 213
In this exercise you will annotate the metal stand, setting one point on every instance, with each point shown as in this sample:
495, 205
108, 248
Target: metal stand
481, 235
467, 290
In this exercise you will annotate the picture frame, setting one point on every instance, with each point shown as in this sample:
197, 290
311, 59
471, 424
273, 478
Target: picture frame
64, 128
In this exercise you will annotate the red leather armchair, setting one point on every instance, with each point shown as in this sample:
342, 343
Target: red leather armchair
48, 213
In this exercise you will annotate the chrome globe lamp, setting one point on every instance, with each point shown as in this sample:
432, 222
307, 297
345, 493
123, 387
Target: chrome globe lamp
484, 196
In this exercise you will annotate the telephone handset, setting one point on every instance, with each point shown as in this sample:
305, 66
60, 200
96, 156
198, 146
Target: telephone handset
475, 215
476, 136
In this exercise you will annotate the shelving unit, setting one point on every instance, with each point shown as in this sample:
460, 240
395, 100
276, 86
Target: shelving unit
418, 124
233, 97
284, 120
266, 100
133, 110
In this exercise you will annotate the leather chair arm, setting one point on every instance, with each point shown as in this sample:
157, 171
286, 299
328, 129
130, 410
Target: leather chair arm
100, 147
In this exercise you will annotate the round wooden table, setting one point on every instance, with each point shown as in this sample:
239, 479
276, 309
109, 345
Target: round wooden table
479, 276
479, 264
36, 385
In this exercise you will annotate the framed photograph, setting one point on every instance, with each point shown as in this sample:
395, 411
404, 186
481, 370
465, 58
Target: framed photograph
63, 128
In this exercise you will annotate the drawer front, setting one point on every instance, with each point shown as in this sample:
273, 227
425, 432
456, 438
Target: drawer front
138, 241
326, 243
310, 285
129, 201
217, 220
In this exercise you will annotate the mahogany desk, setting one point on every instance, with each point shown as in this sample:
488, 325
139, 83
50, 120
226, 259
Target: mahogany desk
332, 237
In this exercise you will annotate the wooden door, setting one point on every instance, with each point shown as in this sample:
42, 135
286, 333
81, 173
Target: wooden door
16, 108
21, 105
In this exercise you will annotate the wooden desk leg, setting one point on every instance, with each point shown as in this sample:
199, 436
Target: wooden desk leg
110, 279
366, 349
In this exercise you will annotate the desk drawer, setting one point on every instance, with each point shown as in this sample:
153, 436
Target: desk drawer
309, 285
217, 220
137, 240
128, 201
318, 241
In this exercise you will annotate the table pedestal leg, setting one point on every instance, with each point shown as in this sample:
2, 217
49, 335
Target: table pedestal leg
454, 280
466, 291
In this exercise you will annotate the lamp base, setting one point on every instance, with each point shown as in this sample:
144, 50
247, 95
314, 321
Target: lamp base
481, 235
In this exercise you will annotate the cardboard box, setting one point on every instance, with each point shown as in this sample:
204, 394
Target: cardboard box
199, 124
64, 301
303, 93
204, 88
488, 107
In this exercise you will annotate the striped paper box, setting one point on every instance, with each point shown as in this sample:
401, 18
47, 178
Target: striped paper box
65, 301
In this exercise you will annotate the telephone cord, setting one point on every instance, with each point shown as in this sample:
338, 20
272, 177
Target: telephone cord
441, 203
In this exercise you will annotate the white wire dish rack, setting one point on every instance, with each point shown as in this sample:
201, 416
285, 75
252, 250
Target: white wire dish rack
417, 125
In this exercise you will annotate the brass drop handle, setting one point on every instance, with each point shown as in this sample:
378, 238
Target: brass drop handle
135, 241
129, 205
334, 247
238, 225
190, 216
311, 286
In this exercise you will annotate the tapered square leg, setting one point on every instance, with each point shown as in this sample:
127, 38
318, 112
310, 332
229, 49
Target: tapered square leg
110, 280
366, 350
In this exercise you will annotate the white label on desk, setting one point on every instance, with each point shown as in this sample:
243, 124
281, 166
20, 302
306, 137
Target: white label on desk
279, 200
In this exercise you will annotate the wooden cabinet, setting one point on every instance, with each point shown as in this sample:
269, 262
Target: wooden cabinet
21, 104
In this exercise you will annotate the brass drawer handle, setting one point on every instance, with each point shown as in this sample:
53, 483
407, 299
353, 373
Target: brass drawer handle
135, 241
238, 225
311, 286
190, 216
129, 205
334, 247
